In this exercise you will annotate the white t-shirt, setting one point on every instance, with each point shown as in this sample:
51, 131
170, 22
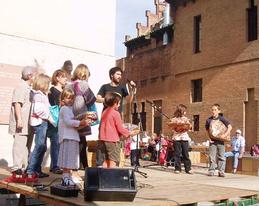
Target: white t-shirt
134, 141
145, 140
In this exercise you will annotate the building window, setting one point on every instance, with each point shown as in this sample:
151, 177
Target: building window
197, 34
196, 122
197, 90
143, 116
135, 117
157, 117
252, 21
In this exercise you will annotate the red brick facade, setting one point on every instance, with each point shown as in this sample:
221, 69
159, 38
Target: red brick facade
228, 65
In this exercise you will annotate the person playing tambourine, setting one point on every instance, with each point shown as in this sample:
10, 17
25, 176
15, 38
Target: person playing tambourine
218, 129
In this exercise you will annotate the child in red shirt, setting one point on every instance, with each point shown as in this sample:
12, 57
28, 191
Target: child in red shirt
110, 130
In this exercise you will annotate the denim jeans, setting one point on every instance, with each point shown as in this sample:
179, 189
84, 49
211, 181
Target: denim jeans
40, 148
216, 152
52, 133
235, 156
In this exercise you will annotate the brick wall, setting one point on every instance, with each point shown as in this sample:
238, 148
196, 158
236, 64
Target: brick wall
228, 65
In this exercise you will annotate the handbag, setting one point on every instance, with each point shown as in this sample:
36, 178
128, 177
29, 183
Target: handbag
54, 112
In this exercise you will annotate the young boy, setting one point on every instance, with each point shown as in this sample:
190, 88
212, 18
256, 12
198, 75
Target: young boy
217, 147
110, 131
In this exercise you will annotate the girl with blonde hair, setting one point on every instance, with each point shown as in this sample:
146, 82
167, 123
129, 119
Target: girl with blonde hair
84, 102
68, 158
39, 118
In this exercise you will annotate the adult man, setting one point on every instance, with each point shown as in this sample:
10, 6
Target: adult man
238, 148
115, 75
19, 120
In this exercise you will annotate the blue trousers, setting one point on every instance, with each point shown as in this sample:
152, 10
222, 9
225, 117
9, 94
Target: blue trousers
40, 148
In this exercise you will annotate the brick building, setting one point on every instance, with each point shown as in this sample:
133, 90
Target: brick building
211, 56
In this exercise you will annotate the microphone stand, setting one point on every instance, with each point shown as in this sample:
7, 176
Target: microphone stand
154, 106
136, 167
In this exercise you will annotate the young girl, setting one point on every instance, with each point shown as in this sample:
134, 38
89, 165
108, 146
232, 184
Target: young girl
68, 158
181, 139
39, 118
58, 81
110, 130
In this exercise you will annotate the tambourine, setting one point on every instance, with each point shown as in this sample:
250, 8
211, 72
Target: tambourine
180, 124
132, 128
92, 116
217, 129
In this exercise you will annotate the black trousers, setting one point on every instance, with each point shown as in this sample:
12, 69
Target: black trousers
134, 157
181, 152
82, 150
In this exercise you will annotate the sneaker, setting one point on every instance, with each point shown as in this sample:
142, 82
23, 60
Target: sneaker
234, 171
17, 172
221, 174
210, 173
57, 171
176, 171
189, 172
66, 181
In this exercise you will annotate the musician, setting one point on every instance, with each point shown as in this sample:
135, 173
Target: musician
238, 149
115, 85
115, 74
217, 147
181, 140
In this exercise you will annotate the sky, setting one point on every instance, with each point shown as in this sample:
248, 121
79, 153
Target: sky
128, 13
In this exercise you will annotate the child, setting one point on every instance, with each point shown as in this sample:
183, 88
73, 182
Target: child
40, 116
217, 147
58, 81
110, 130
134, 150
181, 140
68, 158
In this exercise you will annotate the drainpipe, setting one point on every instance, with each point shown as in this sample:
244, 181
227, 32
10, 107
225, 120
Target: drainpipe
166, 21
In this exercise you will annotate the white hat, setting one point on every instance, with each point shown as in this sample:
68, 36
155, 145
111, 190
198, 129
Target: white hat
238, 131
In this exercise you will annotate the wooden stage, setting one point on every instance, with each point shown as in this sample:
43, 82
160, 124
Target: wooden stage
160, 188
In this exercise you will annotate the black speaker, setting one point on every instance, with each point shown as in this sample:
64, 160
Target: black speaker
109, 184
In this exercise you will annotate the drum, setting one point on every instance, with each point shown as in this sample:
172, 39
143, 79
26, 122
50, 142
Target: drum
133, 129
217, 129
92, 116
180, 124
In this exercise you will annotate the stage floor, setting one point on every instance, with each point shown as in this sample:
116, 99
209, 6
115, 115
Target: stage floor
162, 187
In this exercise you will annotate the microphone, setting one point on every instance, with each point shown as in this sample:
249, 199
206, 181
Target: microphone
130, 83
